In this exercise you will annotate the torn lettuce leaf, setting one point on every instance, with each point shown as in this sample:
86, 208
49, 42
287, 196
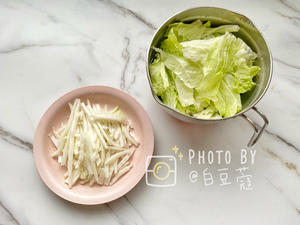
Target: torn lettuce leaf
170, 97
202, 71
197, 31
159, 77
187, 71
208, 113
171, 44
185, 94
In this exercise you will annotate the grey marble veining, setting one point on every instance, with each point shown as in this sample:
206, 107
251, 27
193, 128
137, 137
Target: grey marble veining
48, 48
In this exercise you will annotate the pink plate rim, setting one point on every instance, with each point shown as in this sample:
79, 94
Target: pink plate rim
68, 195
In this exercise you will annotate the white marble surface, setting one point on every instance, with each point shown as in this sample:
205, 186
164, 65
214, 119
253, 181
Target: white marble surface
48, 48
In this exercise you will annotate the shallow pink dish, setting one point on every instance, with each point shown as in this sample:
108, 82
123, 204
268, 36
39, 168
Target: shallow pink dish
53, 174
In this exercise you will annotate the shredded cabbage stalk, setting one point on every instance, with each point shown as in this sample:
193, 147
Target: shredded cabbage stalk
95, 145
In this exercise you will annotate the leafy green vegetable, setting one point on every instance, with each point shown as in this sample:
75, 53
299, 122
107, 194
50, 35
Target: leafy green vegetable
170, 96
159, 77
202, 70
197, 30
188, 72
171, 44
185, 94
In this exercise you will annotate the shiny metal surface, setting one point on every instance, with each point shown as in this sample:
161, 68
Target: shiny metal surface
248, 32
258, 131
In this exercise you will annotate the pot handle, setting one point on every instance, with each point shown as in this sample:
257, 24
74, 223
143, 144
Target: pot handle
257, 129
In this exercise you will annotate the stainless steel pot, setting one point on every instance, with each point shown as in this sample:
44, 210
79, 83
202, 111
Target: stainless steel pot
250, 34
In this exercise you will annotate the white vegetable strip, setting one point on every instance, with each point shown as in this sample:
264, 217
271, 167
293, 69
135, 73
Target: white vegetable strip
76, 104
116, 148
54, 141
103, 132
129, 137
89, 147
70, 133
116, 156
95, 145
100, 135
71, 147
60, 130
124, 160
120, 173
86, 110
107, 117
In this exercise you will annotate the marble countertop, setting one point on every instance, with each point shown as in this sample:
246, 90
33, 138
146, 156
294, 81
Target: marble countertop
48, 48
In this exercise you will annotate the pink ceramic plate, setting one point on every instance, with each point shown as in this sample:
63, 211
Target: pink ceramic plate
52, 173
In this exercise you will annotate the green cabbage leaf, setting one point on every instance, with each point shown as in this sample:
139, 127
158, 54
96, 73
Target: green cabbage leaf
202, 71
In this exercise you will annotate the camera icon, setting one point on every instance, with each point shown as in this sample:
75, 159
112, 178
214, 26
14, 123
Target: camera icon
162, 171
